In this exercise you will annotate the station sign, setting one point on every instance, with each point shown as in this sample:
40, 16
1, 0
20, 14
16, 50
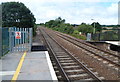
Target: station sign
18, 35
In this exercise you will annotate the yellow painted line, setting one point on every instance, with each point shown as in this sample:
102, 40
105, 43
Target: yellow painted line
15, 76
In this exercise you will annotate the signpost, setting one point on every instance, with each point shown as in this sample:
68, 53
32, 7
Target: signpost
18, 35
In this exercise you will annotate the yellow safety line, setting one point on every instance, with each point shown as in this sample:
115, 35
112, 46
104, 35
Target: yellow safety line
18, 68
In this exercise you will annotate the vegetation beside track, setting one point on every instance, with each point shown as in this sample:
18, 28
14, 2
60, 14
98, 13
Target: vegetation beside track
98, 32
60, 25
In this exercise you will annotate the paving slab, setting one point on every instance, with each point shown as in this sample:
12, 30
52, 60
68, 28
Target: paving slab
36, 66
9, 64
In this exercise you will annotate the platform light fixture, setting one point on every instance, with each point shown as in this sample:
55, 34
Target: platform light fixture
94, 26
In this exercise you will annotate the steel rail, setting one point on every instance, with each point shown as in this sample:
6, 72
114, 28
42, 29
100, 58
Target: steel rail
82, 65
116, 64
64, 75
88, 44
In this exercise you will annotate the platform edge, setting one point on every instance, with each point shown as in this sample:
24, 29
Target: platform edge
52, 72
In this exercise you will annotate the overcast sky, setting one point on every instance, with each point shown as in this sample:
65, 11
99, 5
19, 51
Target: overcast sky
73, 11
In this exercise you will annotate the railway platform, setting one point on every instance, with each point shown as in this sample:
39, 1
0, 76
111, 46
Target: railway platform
111, 45
27, 66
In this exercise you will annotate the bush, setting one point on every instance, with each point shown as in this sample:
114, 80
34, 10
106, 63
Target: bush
34, 30
76, 32
78, 36
109, 35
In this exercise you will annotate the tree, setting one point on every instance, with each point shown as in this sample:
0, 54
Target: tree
76, 32
60, 20
68, 28
17, 14
85, 28
60, 25
55, 23
50, 24
98, 27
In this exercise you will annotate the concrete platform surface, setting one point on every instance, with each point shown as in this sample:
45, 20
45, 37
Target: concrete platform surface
35, 66
114, 42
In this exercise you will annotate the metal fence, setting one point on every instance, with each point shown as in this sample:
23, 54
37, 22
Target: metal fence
9, 41
5, 40
21, 43
107, 35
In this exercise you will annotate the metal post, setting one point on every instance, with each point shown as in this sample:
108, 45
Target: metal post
119, 13
119, 35
10, 39
99, 36
21, 40
119, 22
94, 28
25, 38
17, 44
30, 38
0, 41
0, 30
15, 39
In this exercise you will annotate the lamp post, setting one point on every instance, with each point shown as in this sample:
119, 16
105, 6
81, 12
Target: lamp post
94, 27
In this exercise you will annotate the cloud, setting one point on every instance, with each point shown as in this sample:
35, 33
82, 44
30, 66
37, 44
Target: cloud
113, 9
82, 13
74, 11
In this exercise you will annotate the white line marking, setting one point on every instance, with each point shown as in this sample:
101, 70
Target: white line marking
3, 73
52, 72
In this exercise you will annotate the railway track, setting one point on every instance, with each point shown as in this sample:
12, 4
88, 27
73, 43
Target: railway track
92, 46
104, 56
69, 66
